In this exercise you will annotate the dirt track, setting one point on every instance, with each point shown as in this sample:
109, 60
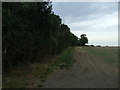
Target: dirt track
88, 72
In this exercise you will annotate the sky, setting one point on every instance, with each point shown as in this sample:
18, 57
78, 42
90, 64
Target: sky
98, 20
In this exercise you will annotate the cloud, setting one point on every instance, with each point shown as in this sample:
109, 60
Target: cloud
82, 9
105, 22
98, 20
84, 0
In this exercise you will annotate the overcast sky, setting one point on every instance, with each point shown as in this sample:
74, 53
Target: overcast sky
98, 20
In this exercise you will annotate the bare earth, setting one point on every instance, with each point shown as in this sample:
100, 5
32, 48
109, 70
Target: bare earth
89, 71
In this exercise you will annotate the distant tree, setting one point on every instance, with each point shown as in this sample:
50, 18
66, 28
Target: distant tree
98, 46
92, 45
83, 40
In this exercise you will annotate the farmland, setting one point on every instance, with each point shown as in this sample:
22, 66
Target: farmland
83, 67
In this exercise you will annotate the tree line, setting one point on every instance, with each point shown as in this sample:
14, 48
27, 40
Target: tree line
31, 32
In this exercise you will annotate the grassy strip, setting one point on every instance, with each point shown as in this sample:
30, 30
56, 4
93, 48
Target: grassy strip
65, 58
25, 76
64, 61
106, 53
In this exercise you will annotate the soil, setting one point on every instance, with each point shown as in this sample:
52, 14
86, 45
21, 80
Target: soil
88, 71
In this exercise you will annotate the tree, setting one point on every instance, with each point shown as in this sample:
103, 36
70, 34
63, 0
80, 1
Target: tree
83, 40
32, 32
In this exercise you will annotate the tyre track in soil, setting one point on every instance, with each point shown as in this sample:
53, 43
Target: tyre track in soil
88, 71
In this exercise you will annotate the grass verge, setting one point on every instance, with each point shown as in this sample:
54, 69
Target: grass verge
64, 61
65, 57
34, 75
24, 76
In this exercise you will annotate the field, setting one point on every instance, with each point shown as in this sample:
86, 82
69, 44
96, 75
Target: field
109, 54
78, 67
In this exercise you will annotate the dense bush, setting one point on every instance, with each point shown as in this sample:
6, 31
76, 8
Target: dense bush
31, 32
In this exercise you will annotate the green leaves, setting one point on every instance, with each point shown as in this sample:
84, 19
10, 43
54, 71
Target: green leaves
83, 40
32, 32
